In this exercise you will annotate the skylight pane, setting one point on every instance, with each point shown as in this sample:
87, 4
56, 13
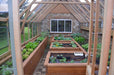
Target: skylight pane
82, 0
33, 6
38, 0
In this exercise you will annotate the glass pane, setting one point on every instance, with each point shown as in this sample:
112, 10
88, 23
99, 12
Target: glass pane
54, 25
68, 26
61, 26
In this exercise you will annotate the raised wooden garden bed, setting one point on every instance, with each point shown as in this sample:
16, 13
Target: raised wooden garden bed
65, 68
53, 40
31, 62
66, 47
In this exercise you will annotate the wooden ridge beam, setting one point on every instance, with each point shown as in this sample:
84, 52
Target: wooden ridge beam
58, 2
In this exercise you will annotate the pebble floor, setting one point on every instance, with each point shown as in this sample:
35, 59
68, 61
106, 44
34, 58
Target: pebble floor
40, 69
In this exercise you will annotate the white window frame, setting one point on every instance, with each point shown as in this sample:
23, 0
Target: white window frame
58, 25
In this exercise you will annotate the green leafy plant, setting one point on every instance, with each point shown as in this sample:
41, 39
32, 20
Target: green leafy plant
83, 61
57, 44
9, 63
75, 35
25, 56
44, 34
72, 61
52, 59
80, 39
7, 72
62, 38
40, 39
63, 60
85, 46
28, 45
73, 44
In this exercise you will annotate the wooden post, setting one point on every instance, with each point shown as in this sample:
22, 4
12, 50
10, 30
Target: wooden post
37, 29
14, 24
23, 34
108, 11
28, 31
8, 37
111, 69
95, 37
90, 32
32, 30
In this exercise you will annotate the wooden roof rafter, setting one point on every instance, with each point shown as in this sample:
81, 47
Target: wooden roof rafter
74, 13
41, 12
79, 13
46, 12
60, 2
38, 11
28, 8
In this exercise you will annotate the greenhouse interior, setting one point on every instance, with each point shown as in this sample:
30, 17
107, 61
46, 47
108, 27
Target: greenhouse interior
56, 37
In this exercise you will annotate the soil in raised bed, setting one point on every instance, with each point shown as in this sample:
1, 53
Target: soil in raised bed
69, 57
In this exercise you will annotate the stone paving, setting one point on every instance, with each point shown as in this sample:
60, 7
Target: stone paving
40, 69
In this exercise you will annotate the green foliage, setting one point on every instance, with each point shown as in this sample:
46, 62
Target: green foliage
53, 59
80, 39
85, 46
40, 39
63, 60
24, 51
29, 47
30, 50
60, 35
25, 56
57, 44
8, 72
83, 61
62, 38
9, 63
73, 44
72, 61
4, 71
75, 35
44, 34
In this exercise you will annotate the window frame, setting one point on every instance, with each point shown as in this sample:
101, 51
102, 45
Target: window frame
58, 25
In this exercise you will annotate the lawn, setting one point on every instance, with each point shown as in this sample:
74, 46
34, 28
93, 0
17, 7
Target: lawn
3, 50
4, 42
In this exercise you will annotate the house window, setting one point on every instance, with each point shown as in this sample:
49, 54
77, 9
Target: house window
61, 26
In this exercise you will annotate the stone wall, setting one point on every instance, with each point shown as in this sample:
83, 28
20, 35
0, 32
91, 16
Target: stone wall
45, 25
85, 34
